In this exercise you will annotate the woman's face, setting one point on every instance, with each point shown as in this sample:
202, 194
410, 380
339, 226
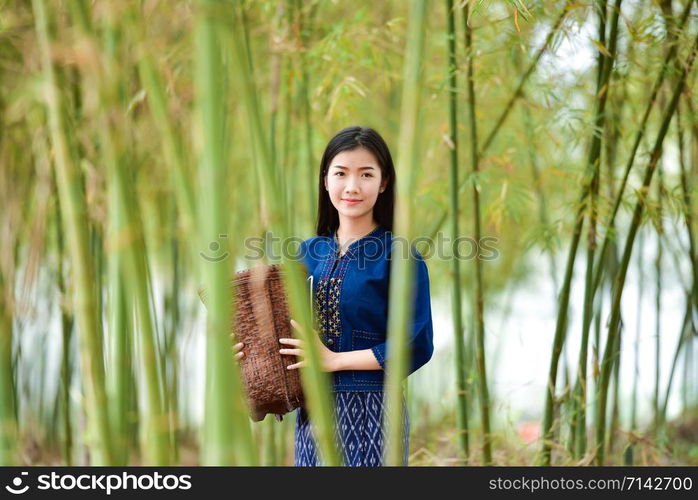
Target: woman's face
354, 182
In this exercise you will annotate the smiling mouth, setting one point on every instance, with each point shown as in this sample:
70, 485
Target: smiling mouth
351, 201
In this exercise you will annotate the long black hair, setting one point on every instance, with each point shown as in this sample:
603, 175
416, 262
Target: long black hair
346, 140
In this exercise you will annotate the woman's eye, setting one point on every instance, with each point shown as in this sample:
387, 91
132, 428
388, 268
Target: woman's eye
342, 173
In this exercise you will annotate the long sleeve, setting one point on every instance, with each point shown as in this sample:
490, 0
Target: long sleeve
301, 255
420, 342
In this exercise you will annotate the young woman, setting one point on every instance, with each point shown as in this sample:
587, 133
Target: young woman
349, 261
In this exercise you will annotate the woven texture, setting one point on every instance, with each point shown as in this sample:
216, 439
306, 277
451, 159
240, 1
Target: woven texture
261, 319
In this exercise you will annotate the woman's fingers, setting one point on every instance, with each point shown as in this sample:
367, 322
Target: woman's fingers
293, 342
292, 352
237, 349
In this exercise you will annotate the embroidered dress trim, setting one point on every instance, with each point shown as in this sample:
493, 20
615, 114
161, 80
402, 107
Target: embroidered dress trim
329, 289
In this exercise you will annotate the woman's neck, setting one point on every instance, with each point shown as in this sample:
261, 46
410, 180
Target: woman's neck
352, 229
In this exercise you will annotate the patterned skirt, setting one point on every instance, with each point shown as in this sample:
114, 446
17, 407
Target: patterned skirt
359, 432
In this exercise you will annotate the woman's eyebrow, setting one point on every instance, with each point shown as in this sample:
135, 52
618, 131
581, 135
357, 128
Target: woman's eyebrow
360, 168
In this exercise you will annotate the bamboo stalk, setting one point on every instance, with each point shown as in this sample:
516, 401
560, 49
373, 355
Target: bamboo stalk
658, 308
270, 456
589, 188
687, 381
402, 267
604, 78
9, 423
629, 454
120, 358
688, 216
461, 394
127, 243
669, 59
66, 335
119, 306
315, 382
614, 322
688, 206
182, 180
75, 221
684, 335
304, 29
285, 157
609, 237
441, 217
156, 427
614, 423
172, 338
259, 146
275, 96
480, 354
227, 437
540, 193
578, 428
8, 418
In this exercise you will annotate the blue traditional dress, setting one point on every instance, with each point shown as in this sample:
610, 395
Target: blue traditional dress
351, 305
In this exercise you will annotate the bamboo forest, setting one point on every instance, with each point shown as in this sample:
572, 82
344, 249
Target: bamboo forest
547, 153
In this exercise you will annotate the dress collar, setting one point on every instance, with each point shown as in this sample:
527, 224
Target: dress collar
354, 245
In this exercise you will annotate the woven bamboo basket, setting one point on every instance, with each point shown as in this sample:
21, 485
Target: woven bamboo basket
261, 319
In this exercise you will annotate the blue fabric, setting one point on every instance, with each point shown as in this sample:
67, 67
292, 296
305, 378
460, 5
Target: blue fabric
351, 302
359, 432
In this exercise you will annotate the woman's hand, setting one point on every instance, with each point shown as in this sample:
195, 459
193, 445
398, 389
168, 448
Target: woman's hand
328, 357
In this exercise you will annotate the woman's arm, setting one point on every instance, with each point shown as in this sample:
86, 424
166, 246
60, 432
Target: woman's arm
420, 341
363, 359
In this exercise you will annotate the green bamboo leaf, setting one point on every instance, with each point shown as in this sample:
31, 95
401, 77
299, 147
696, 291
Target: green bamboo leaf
601, 48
